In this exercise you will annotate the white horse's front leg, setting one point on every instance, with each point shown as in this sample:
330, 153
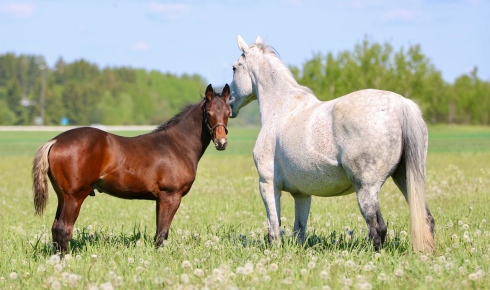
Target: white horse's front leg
302, 204
271, 195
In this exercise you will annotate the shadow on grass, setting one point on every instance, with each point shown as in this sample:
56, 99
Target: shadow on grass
86, 238
320, 242
334, 241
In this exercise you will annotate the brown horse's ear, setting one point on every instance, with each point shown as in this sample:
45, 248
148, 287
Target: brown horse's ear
209, 93
226, 92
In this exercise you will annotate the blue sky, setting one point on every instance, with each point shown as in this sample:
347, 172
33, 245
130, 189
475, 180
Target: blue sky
199, 37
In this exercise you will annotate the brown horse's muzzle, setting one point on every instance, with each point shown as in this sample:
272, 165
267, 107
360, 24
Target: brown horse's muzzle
220, 140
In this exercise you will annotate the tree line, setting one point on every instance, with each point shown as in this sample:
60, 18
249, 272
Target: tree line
81, 93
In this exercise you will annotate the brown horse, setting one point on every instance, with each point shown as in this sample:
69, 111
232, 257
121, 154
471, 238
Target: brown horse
160, 165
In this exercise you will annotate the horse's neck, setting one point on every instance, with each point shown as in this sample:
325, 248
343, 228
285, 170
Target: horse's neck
190, 134
281, 96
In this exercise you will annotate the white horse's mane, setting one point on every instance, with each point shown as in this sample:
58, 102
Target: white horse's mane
273, 56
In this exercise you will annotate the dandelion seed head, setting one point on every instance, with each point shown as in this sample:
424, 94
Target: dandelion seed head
158, 280
399, 272
199, 272
56, 285
324, 275
273, 267
58, 268
184, 278
367, 268
350, 263
73, 280
13, 275
186, 264
428, 279
347, 281
442, 259
54, 259
106, 286
303, 272
364, 286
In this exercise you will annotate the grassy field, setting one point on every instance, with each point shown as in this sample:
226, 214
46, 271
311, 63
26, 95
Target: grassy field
217, 236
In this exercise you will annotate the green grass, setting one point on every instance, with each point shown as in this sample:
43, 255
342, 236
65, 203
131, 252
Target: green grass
217, 236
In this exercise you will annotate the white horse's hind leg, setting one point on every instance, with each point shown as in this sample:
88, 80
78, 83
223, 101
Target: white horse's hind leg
271, 196
302, 204
367, 198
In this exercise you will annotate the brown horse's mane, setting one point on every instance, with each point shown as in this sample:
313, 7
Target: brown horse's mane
176, 119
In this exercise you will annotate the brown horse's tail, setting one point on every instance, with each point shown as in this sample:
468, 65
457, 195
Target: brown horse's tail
415, 152
40, 169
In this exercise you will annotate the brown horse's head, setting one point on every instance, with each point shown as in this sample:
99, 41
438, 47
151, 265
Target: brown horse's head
216, 112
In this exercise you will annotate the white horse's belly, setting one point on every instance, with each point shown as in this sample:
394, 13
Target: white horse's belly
315, 179
308, 155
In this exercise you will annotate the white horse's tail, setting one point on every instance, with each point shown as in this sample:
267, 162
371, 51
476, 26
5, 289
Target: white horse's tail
415, 152
40, 169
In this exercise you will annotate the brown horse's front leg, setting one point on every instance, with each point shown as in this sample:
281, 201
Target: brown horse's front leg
167, 205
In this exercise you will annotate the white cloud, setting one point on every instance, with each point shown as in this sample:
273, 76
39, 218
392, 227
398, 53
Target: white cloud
18, 10
401, 15
141, 46
169, 10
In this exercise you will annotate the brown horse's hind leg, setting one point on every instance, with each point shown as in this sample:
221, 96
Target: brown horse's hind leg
66, 215
167, 205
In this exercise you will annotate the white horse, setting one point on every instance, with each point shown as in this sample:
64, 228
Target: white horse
353, 143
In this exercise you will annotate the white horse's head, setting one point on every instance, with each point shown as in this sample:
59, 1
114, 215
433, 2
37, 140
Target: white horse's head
242, 87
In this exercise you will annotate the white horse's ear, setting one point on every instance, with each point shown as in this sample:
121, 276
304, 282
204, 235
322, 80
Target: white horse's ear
242, 45
258, 40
